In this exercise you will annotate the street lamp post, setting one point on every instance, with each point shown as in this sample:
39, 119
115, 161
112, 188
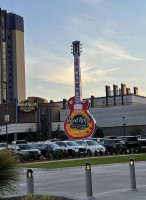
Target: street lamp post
6, 119
124, 125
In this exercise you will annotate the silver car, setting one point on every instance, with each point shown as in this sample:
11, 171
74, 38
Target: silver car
91, 146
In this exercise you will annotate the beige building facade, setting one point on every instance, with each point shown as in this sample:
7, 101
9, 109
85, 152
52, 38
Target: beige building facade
12, 64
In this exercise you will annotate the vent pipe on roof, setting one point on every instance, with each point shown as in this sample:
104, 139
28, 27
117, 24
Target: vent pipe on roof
123, 92
64, 104
136, 90
128, 90
115, 89
107, 89
92, 101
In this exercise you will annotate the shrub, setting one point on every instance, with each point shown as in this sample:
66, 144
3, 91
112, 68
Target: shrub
54, 155
9, 172
84, 154
116, 151
130, 151
79, 154
125, 151
73, 154
95, 153
110, 151
120, 151
134, 150
90, 153
34, 197
48, 155
67, 154
46, 197
60, 155
106, 152
100, 153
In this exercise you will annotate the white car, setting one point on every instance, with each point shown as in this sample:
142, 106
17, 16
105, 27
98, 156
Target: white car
91, 146
3, 146
68, 146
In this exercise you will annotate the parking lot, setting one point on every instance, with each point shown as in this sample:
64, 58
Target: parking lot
110, 182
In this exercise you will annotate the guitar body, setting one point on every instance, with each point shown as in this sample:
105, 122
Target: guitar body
79, 124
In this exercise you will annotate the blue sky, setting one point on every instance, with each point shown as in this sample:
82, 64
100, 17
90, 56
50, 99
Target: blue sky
113, 37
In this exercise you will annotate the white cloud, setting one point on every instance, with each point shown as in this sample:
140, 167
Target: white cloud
97, 62
49, 67
107, 48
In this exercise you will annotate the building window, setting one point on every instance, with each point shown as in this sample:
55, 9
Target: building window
110, 101
126, 100
118, 100
103, 102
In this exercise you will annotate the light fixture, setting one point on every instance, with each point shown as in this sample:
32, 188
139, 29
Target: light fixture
88, 166
29, 173
131, 161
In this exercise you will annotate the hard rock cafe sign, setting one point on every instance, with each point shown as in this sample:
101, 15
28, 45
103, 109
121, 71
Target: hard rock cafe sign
27, 105
79, 123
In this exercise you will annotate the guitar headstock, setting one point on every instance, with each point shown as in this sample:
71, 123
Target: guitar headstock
76, 48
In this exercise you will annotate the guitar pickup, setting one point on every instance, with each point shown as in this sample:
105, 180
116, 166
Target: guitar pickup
78, 106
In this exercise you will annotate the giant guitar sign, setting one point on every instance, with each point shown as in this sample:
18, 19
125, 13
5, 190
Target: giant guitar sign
79, 123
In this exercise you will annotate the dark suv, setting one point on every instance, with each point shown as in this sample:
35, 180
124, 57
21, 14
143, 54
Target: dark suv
131, 142
113, 145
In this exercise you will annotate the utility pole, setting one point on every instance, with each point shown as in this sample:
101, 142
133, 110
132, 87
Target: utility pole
124, 125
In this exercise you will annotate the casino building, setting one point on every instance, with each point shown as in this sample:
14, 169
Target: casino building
116, 113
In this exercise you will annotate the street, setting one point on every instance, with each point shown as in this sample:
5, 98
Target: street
108, 182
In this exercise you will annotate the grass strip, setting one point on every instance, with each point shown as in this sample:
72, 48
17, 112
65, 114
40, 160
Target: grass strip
82, 162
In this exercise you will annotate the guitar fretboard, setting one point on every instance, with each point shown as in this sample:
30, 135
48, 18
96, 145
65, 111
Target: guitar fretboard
77, 72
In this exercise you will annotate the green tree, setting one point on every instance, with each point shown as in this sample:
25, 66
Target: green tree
59, 134
45, 132
30, 136
136, 130
99, 132
9, 172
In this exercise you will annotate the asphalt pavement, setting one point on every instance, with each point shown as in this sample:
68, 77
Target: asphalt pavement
109, 182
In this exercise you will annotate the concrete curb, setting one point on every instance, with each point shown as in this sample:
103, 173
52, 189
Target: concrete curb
20, 197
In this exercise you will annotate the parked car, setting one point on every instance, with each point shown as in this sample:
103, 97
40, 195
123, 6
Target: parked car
143, 136
91, 146
3, 146
51, 147
42, 147
19, 142
113, 145
111, 137
131, 142
142, 143
68, 146
26, 151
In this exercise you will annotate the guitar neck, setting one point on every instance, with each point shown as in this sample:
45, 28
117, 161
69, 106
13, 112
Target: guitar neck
77, 72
